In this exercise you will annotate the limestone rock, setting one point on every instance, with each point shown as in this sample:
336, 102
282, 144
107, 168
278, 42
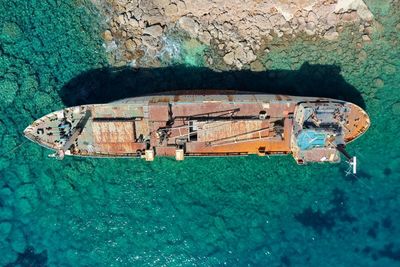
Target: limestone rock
181, 7
344, 6
189, 25
137, 13
277, 20
205, 37
366, 38
332, 19
294, 23
161, 3
171, 10
130, 45
133, 23
368, 30
110, 46
238, 27
229, 58
107, 36
154, 19
250, 57
310, 28
121, 19
331, 35
130, 5
150, 43
240, 54
256, 66
312, 17
155, 31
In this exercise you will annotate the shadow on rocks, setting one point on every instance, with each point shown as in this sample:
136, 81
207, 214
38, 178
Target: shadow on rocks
108, 84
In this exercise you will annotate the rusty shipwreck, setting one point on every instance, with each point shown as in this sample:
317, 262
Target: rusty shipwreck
181, 125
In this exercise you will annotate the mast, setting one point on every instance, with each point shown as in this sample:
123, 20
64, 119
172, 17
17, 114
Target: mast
351, 160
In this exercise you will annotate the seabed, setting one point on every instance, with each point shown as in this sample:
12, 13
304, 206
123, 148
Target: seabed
251, 211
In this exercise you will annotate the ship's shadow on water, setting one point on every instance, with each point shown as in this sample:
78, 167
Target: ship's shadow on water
108, 84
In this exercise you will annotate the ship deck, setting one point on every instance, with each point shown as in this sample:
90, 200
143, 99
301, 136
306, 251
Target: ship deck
177, 125
211, 128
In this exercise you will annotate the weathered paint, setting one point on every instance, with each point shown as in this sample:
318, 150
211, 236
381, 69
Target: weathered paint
202, 124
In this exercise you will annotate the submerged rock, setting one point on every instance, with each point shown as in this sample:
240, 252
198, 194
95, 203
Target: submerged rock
5, 229
366, 38
8, 255
18, 242
11, 32
171, 10
107, 36
396, 108
6, 214
23, 206
8, 91
256, 66
331, 35
379, 83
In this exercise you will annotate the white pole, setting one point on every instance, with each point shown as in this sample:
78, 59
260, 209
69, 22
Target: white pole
354, 165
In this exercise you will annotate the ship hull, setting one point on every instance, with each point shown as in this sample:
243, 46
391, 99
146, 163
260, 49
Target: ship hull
181, 125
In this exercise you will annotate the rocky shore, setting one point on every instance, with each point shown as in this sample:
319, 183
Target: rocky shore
237, 31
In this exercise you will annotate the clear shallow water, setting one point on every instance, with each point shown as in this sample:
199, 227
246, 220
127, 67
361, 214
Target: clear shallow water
234, 211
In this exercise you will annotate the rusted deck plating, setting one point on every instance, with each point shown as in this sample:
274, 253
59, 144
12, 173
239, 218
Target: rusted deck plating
201, 125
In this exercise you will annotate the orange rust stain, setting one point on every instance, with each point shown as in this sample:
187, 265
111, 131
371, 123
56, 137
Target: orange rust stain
158, 112
357, 123
176, 98
248, 146
251, 147
115, 137
113, 132
159, 99
120, 148
165, 151
216, 131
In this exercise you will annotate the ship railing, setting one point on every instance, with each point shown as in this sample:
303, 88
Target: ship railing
208, 114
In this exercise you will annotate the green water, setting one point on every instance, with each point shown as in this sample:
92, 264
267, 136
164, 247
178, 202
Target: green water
248, 211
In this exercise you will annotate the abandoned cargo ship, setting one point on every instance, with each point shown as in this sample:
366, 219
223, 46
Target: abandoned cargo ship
179, 125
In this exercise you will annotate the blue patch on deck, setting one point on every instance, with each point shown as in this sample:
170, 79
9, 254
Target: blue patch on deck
308, 139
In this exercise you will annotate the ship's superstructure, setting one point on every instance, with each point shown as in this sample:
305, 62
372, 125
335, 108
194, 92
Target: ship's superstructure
181, 125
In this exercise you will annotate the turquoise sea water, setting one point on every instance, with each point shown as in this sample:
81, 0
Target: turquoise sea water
248, 211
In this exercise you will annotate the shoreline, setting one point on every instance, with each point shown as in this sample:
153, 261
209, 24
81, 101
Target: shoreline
144, 34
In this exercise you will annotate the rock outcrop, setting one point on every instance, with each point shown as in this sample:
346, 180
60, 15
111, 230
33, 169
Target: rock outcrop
236, 29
